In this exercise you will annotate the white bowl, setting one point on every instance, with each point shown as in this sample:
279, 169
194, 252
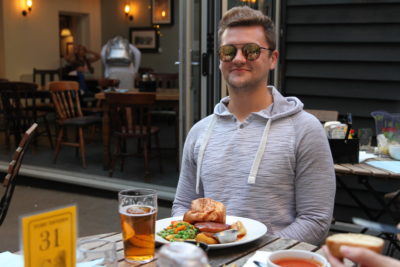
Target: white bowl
394, 151
295, 254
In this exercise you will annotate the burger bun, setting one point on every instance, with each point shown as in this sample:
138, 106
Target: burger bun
334, 242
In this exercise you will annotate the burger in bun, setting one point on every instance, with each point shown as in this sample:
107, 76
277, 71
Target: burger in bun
334, 242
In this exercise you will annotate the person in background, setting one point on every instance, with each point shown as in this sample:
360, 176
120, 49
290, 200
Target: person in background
260, 153
121, 61
80, 63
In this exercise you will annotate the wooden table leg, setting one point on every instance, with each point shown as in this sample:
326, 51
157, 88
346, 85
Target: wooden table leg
106, 140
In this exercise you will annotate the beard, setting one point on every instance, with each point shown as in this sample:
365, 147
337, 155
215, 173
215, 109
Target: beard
238, 82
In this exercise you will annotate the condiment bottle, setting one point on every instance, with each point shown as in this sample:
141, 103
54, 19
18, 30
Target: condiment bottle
181, 254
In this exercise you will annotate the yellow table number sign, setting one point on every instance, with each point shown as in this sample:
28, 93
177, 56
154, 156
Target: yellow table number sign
49, 239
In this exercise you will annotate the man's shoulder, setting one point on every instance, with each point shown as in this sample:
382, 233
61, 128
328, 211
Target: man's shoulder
305, 118
198, 129
202, 124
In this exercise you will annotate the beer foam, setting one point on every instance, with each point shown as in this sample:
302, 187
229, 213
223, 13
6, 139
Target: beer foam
140, 208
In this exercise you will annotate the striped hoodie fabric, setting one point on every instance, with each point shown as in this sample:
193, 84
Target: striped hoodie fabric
294, 187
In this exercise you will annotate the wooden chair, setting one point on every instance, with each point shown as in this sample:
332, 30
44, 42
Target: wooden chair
324, 115
131, 118
45, 76
42, 77
19, 105
65, 96
9, 181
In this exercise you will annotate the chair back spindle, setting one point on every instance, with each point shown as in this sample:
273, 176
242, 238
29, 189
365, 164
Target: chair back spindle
65, 95
45, 76
9, 181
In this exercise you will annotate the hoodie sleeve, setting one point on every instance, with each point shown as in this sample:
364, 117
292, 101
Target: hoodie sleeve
315, 182
186, 190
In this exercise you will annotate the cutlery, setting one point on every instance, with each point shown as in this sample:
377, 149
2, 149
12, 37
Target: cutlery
386, 228
259, 264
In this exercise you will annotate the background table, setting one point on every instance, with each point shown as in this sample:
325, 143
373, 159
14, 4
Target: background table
364, 172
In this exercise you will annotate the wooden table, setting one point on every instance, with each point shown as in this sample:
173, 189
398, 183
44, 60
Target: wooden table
162, 94
164, 98
363, 172
230, 257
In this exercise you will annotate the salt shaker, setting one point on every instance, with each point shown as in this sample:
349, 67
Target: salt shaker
181, 254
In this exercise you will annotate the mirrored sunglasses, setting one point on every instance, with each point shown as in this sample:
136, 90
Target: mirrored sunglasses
250, 51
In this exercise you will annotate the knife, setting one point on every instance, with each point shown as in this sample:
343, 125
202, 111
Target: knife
259, 264
386, 228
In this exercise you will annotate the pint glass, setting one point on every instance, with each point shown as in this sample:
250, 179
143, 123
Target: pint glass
138, 212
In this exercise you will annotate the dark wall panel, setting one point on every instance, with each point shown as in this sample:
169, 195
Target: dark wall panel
343, 105
345, 52
337, 2
374, 90
372, 71
344, 33
344, 14
342, 55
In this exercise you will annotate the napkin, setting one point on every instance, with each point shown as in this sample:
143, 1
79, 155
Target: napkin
362, 156
260, 256
13, 260
390, 165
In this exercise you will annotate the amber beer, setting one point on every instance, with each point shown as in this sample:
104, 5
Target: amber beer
138, 212
138, 228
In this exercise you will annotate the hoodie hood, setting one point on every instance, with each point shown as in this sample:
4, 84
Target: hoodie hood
280, 108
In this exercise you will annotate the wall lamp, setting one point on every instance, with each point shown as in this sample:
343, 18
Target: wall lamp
28, 4
127, 11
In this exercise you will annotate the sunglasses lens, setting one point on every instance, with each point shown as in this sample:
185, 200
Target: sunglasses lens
251, 51
227, 53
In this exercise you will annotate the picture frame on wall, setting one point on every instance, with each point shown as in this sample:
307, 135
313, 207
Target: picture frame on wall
161, 11
145, 39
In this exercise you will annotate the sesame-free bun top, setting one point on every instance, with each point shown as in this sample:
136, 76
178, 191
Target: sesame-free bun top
334, 242
206, 210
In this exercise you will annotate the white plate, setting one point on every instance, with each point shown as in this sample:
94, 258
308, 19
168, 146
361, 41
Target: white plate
255, 230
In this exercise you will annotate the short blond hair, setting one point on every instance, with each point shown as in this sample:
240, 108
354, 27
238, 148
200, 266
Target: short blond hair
246, 16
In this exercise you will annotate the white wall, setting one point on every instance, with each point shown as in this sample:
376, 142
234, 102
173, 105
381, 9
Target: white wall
40, 30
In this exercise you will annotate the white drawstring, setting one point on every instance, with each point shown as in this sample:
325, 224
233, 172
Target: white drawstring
257, 160
260, 152
202, 149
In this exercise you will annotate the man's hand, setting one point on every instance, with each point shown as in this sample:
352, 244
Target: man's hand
362, 256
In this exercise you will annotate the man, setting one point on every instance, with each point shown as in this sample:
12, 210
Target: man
121, 61
259, 153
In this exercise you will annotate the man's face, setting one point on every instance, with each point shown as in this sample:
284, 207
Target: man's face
243, 73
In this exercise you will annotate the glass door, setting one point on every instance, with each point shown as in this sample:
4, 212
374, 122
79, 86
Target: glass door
198, 71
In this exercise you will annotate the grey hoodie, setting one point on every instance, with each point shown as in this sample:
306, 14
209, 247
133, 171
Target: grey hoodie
292, 188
